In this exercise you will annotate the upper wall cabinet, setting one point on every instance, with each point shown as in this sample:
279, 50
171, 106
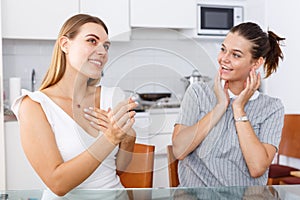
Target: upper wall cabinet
163, 13
35, 19
114, 13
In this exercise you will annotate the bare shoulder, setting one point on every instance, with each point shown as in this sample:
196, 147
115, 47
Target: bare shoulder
28, 104
30, 110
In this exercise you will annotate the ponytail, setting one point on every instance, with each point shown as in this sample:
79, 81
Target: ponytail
273, 55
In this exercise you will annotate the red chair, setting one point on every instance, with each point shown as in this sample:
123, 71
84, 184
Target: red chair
289, 147
291, 180
139, 173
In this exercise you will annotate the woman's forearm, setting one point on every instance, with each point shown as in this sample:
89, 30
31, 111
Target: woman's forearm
186, 138
258, 156
124, 155
68, 175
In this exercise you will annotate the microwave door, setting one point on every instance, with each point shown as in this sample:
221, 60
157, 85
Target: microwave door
214, 20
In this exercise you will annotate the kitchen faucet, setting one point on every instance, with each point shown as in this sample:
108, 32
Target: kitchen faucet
33, 80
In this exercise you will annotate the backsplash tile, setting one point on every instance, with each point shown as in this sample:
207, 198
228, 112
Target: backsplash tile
140, 64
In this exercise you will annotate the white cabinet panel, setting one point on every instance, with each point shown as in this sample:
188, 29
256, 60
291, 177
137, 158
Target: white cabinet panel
155, 127
114, 13
160, 134
163, 13
162, 123
35, 19
19, 173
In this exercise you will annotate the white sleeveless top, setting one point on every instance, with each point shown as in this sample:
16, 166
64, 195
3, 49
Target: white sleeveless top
72, 140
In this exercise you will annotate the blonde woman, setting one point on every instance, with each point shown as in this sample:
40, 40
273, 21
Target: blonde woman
75, 133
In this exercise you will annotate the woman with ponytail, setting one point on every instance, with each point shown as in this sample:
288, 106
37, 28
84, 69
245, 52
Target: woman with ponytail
228, 135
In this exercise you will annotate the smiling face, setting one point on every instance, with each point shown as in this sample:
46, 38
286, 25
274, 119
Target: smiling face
87, 52
235, 59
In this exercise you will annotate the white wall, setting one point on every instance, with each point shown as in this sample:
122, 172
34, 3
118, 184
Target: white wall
283, 18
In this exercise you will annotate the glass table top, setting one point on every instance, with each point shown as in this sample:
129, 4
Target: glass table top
282, 192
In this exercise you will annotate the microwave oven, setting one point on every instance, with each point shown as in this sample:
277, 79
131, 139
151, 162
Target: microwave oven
217, 19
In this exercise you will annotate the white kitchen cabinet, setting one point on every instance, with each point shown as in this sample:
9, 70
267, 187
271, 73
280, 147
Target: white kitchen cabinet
163, 13
155, 127
161, 129
114, 13
35, 19
19, 173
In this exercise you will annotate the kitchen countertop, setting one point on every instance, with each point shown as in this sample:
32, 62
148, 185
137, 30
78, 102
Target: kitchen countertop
9, 118
164, 110
9, 115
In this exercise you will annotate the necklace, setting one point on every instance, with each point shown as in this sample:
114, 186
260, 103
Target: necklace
78, 105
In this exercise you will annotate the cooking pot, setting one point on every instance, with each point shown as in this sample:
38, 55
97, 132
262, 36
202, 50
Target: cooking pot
153, 96
194, 77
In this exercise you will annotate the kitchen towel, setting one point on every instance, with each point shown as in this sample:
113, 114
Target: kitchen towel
14, 88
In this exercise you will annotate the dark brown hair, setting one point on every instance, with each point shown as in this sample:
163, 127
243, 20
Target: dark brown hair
266, 45
58, 62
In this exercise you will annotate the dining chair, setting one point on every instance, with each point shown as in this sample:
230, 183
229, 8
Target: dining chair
291, 180
290, 147
172, 167
139, 172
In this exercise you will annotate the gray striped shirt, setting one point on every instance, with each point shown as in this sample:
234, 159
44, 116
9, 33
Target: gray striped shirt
218, 160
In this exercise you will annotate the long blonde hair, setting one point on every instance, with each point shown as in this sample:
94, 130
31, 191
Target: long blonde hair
69, 29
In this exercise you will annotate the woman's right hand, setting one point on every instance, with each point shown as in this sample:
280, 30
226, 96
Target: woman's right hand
221, 91
114, 123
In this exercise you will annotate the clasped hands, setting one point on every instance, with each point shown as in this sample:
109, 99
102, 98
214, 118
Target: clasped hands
114, 123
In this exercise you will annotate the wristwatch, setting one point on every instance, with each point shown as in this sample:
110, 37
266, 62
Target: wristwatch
242, 119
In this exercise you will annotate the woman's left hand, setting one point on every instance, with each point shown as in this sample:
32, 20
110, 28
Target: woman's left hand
251, 85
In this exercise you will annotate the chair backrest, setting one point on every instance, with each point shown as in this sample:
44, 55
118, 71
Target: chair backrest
172, 167
139, 173
290, 138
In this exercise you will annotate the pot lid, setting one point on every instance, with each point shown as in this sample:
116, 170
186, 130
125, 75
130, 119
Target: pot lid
196, 74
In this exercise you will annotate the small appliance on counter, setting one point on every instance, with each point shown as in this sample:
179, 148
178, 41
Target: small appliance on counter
14, 88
